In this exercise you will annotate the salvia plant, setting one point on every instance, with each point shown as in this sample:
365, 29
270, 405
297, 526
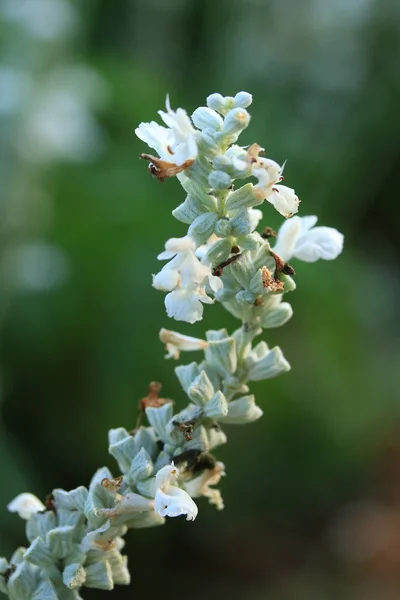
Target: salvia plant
76, 537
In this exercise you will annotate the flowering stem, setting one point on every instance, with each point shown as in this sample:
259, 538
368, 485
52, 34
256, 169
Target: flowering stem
76, 539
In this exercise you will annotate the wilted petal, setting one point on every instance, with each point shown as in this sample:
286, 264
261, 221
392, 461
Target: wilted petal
200, 486
176, 343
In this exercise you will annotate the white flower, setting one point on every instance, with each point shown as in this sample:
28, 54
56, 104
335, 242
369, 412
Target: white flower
26, 505
284, 200
200, 486
175, 143
176, 342
269, 175
185, 278
298, 238
170, 500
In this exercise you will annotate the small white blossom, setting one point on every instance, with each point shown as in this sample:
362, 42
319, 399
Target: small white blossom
298, 238
185, 278
26, 505
200, 486
284, 200
176, 343
170, 500
269, 175
175, 143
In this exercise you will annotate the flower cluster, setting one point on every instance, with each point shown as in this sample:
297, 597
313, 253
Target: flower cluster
76, 537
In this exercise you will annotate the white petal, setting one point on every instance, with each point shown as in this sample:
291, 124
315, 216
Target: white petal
166, 280
176, 342
284, 200
180, 244
166, 255
192, 271
288, 235
184, 305
319, 242
255, 217
26, 505
175, 502
215, 282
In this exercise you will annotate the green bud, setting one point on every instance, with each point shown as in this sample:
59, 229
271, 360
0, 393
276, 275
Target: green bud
217, 407
117, 435
206, 144
222, 355
119, 568
277, 316
187, 374
213, 335
241, 223
219, 180
159, 417
223, 228
199, 171
44, 591
39, 554
202, 227
242, 198
124, 452
141, 467
219, 251
241, 411
201, 390
60, 541
99, 576
243, 269
250, 242
256, 284
206, 118
40, 524
219, 103
243, 99
147, 487
199, 195
222, 163
271, 365
245, 297
146, 438
189, 210
235, 121
74, 576
22, 582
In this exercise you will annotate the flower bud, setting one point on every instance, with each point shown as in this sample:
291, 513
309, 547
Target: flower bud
219, 180
219, 103
236, 120
222, 163
245, 297
278, 316
202, 227
243, 99
206, 118
241, 411
223, 228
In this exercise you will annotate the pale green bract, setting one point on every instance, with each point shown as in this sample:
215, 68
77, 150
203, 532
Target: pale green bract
76, 540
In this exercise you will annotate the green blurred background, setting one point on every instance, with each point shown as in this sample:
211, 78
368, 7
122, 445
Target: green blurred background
313, 489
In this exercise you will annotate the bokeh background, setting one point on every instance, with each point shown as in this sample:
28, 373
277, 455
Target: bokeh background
313, 489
